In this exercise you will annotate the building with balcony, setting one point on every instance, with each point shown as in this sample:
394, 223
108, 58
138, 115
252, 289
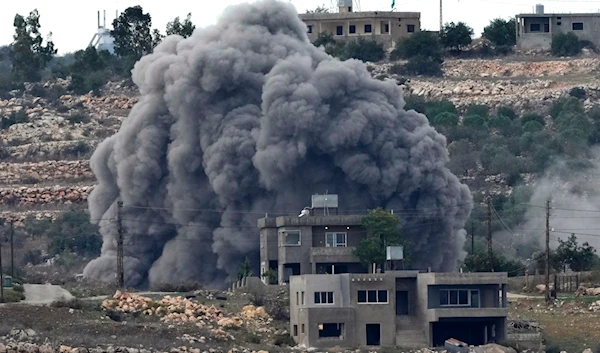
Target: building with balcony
398, 308
535, 31
386, 27
321, 241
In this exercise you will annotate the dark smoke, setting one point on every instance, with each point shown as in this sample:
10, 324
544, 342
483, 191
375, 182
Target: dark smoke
247, 116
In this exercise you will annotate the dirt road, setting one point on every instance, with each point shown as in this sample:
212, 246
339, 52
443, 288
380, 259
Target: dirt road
42, 294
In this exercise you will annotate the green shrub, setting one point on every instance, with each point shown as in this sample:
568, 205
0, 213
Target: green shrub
422, 43
364, 50
477, 109
18, 117
78, 116
18, 288
500, 122
445, 119
507, 112
533, 117
577, 92
533, 126
421, 65
473, 121
570, 104
284, 340
33, 257
68, 303
73, 232
12, 296
565, 44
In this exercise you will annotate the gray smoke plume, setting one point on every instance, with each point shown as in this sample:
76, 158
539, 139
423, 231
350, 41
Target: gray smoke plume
247, 117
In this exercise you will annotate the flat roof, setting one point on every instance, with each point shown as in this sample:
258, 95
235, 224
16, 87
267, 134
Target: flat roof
559, 14
357, 15
295, 221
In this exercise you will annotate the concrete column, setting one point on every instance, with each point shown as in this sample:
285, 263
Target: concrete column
347, 34
504, 298
314, 268
280, 274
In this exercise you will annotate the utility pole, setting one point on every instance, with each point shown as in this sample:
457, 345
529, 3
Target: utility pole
547, 279
489, 233
12, 250
120, 270
1, 274
441, 20
472, 238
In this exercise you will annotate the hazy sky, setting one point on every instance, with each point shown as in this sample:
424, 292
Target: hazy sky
73, 22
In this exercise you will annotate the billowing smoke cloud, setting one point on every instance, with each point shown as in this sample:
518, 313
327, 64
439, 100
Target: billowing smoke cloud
247, 117
572, 186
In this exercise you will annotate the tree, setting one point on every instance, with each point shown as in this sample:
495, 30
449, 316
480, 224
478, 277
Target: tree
480, 262
445, 119
420, 43
456, 36
184, 29
157, 37
319, 9
73, 232
28, 54
578, 258
364, 50
473, 121
462, 157
132, 35
245, 269
477, 109
565, 44
382, 230
501, 32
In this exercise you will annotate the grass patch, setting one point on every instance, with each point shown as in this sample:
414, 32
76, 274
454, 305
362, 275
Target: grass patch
68, 303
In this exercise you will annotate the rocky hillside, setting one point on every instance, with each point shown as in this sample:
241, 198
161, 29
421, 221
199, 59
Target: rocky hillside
48, 136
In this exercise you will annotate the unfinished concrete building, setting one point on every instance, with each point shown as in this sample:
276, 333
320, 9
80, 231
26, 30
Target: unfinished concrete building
397, 308
321, 241
535, 31
387, 27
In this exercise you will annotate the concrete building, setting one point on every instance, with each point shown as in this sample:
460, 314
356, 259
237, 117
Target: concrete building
397, 308
386, 27
319, 242
535, 31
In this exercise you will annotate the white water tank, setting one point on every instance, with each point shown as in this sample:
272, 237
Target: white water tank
539, 9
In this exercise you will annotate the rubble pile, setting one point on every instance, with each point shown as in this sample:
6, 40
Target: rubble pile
15, 173
583, 291
595, 306
179, 310
57, 194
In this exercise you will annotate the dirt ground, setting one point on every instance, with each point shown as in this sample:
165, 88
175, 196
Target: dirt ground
568, 325
90, 327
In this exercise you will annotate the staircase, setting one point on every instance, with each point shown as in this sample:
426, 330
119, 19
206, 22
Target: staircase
409, 332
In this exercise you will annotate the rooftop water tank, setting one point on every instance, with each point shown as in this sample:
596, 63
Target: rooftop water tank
539, 9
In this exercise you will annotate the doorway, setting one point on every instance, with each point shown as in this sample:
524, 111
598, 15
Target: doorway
373, 335
402, 303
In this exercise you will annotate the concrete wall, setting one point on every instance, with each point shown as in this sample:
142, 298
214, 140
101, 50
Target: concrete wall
383, 314
558, 23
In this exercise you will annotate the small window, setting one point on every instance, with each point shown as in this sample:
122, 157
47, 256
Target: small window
292, 237
310, 29
535, 27
331, 330
578, 26
335, 239
339, 30
410, 28
352, 29
368, 29
386, 28
558, 23
302, 330
303, 298
295, 330
323, 297
297, 298
373, 296
559, 18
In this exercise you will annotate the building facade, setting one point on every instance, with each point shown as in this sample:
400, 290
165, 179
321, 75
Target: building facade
398, 308
319, 242
535, 31
386, 27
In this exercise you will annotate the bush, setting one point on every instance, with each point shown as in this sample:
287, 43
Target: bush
477, 109
18, 117
421, 65
565, 44
501, 32
18, 288
78, 116
473, 121
33, 257
12, 296
445, 119
73, 232
419, 44
68, 303
284, 340
570, 104
533, 126
533, 117
507, 112
500, 122
577, 92
364, 50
